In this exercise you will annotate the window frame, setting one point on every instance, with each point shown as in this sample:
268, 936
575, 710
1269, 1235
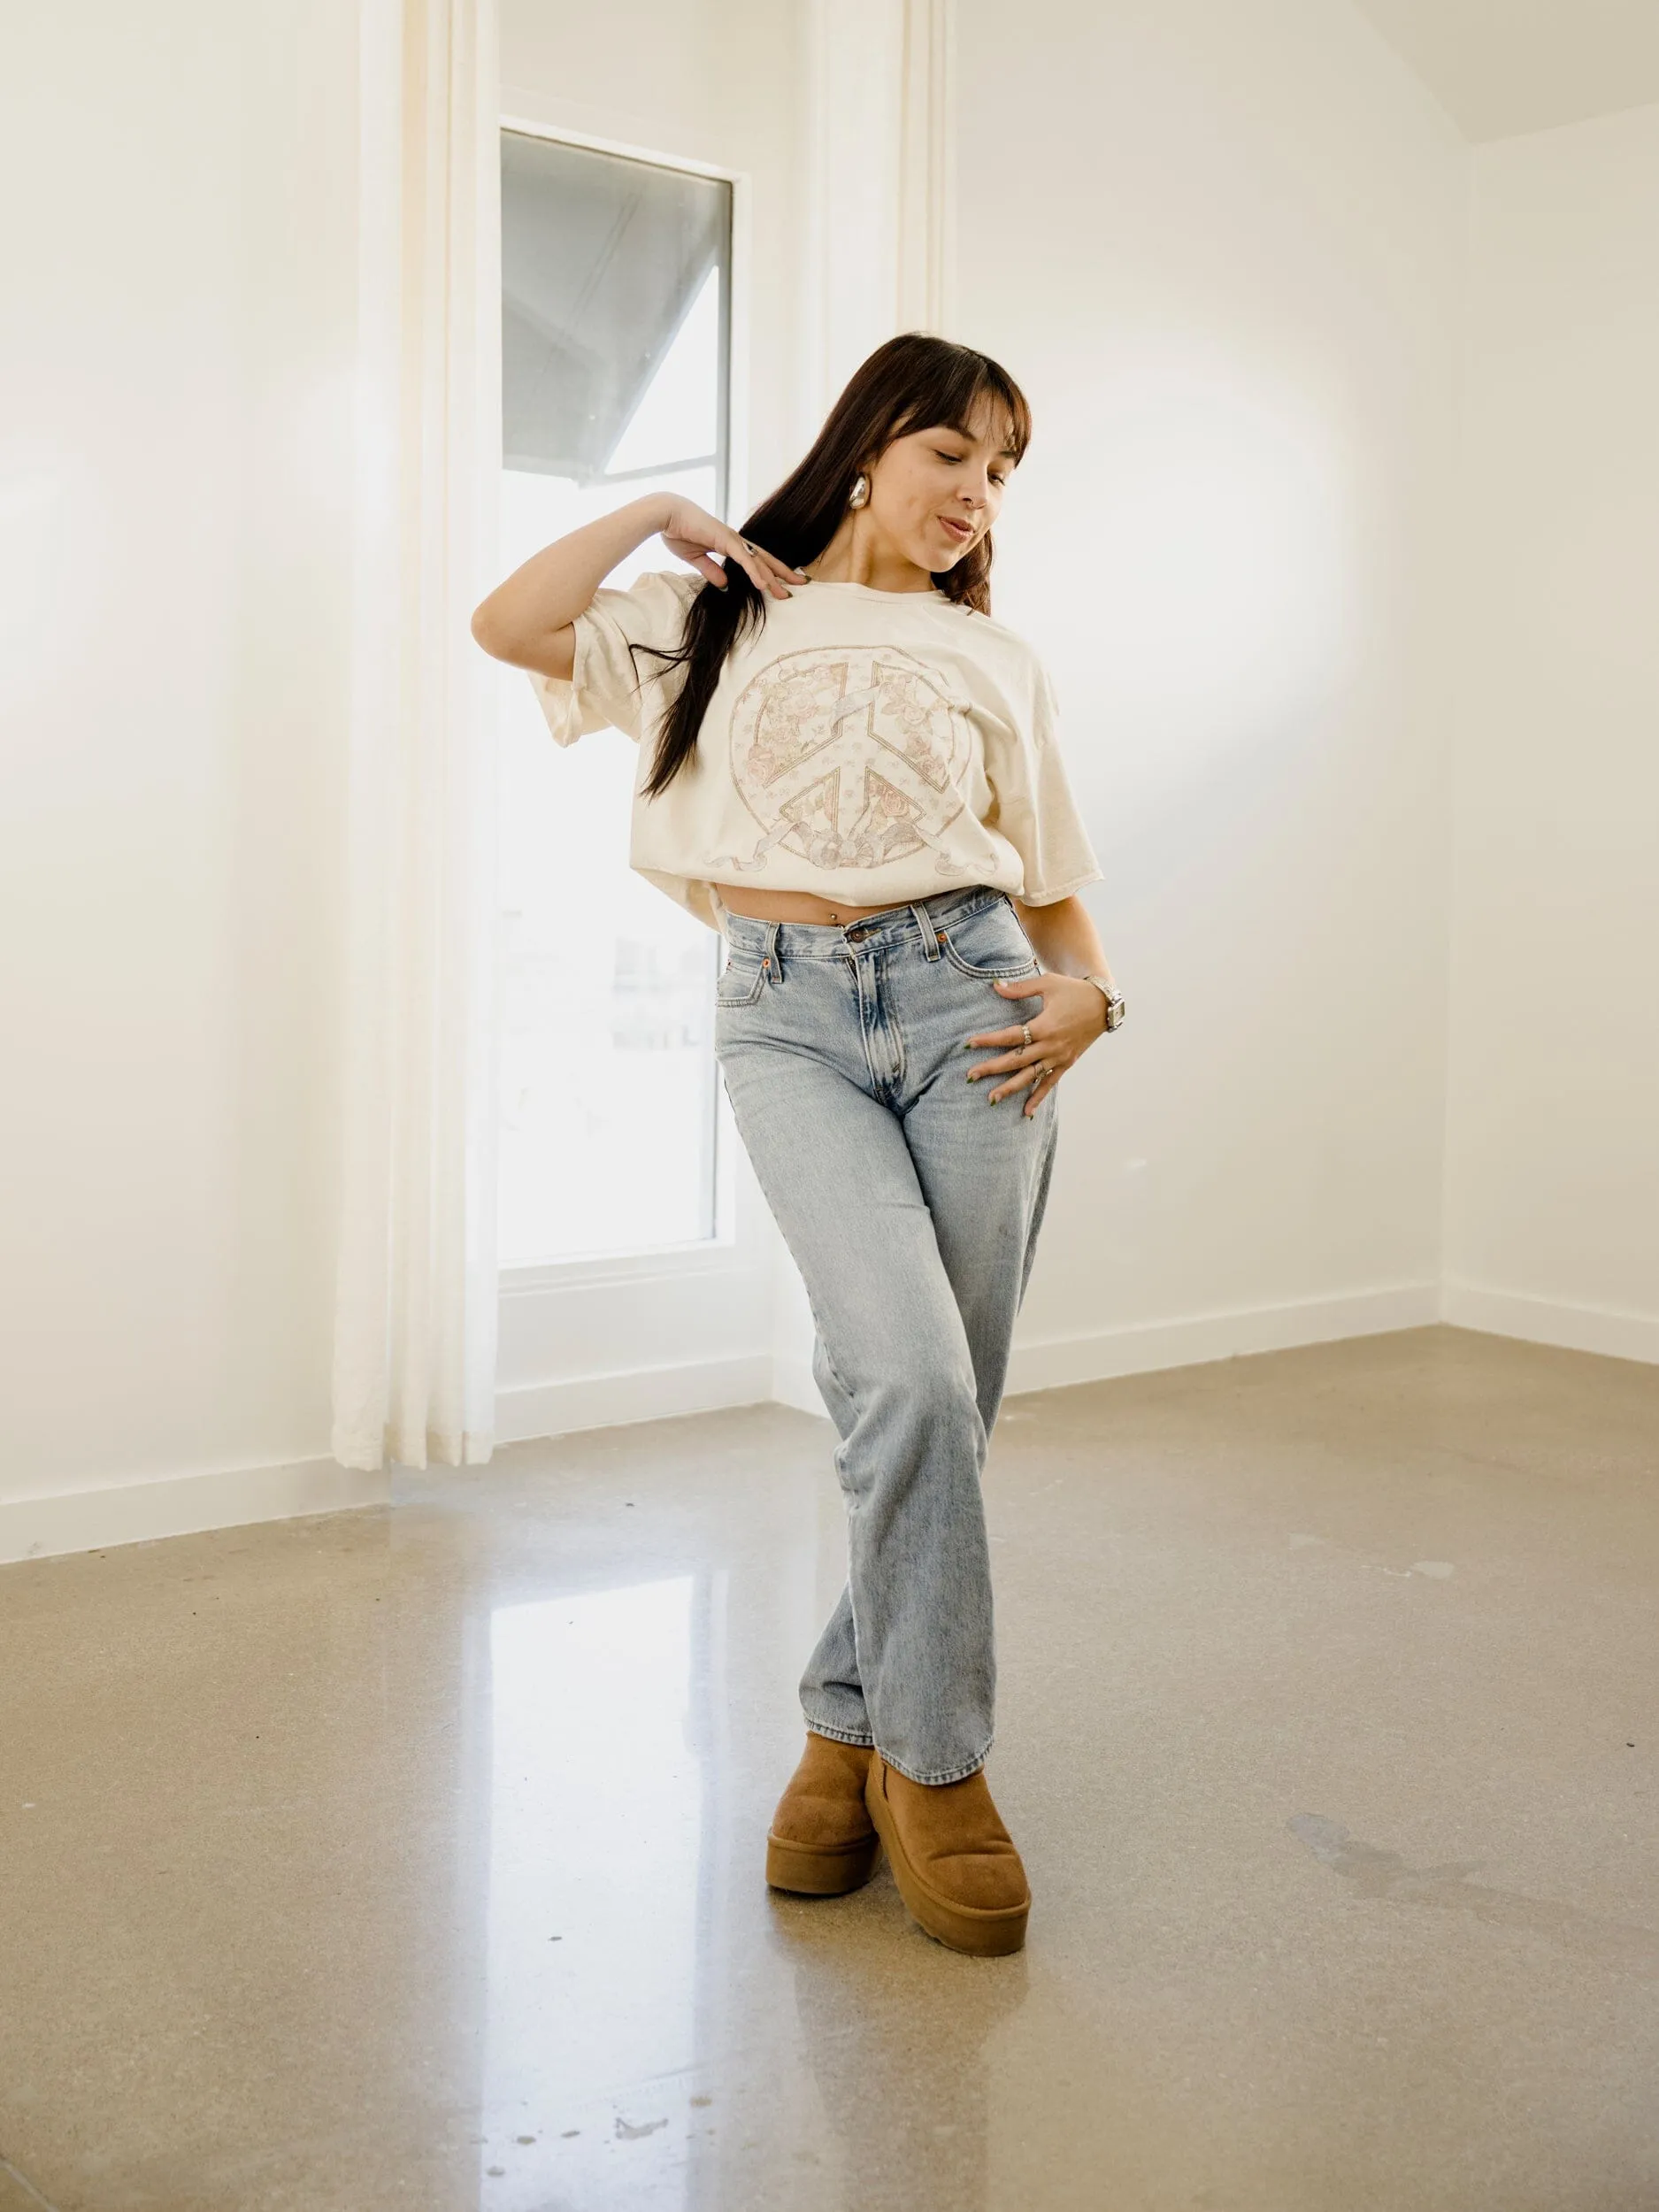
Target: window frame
739, 1244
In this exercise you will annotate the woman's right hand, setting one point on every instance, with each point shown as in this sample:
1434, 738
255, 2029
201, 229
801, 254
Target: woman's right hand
694, 536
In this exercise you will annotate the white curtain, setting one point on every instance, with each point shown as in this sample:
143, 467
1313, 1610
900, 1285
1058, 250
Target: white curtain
415, 1319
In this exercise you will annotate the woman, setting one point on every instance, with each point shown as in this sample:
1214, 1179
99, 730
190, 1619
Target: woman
849, 769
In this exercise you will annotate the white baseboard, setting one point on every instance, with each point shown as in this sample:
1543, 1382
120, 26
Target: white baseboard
1141, 1346
183, 1505
792, 1385
134, 1513
1052, 1363
638, 1393
1544, 1321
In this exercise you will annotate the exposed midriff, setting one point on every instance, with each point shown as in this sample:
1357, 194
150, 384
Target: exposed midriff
793, 906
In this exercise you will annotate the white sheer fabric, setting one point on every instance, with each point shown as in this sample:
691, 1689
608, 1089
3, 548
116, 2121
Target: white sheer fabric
415, 1318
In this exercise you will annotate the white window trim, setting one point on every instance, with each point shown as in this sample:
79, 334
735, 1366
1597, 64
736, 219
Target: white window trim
629, 1336
727, 1252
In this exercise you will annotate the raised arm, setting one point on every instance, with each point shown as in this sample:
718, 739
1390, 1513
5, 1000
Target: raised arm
528, 621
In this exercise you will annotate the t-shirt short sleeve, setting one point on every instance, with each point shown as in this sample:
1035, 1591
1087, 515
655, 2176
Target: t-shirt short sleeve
607, 683
1038, 814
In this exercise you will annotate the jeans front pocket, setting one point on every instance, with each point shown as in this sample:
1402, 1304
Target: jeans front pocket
741, 981
990, 945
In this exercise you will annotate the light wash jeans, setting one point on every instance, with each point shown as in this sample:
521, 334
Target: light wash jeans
912, 1206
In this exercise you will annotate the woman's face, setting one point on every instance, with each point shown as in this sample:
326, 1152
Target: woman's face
934, 494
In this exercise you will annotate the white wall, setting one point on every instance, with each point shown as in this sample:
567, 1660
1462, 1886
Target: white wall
175, 325
1220, 242
1553, 1123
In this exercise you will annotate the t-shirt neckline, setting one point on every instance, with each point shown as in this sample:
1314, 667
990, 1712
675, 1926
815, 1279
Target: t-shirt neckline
871, 591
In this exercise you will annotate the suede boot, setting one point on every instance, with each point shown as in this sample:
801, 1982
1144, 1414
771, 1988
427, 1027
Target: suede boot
953, 1861
821, 1843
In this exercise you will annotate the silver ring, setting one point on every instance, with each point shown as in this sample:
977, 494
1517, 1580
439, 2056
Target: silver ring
1041, 1070
1025, 1030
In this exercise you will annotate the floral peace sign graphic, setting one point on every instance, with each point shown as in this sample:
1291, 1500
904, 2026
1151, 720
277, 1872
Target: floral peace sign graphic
850, 756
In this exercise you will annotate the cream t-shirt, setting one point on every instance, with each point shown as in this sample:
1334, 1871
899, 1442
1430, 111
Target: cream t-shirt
873, 747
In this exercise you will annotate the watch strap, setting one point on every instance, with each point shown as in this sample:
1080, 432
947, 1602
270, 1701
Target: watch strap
1112, 995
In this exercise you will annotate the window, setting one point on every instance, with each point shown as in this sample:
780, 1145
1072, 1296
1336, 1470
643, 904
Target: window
616, 284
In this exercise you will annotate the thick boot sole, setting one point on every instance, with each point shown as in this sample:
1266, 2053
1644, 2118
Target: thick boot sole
816, 1870
984, 1935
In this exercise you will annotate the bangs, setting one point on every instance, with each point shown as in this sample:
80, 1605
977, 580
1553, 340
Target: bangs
962, 385
1005, 398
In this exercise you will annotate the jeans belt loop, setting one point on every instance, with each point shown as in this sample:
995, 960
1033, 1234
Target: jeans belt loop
772, 960
930, 931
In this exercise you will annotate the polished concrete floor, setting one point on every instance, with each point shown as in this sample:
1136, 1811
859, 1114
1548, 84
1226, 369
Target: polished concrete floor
412, 1857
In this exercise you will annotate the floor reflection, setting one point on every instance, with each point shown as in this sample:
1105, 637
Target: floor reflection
930, 2147
596, 1817
298, 1811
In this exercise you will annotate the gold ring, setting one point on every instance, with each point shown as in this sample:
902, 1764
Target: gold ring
1025, 1030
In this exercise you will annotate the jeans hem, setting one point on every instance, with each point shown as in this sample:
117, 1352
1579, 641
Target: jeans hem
864, 1742
939, 1781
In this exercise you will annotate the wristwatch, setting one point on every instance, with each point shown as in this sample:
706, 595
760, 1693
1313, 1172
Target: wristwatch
1113, 996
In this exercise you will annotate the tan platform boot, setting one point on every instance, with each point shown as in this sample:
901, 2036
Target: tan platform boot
821, 1843
953, 1861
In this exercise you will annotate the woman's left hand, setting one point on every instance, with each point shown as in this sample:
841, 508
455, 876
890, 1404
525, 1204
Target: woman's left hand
1073, 1016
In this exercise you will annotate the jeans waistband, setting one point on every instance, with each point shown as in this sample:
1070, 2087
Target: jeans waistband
832, 940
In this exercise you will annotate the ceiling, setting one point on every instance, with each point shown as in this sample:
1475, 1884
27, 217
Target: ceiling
1500, 67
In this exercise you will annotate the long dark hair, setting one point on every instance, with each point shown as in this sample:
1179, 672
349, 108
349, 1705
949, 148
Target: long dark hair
912, 382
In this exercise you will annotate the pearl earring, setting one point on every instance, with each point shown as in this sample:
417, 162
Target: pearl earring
860, 493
